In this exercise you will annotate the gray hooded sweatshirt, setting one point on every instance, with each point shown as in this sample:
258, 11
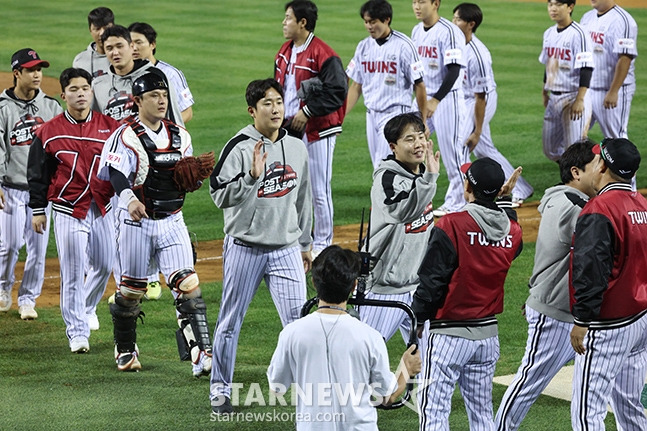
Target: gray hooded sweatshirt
275, 210
19, 120
560, 207
401, 221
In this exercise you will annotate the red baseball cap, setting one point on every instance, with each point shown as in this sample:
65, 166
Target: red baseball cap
27, 58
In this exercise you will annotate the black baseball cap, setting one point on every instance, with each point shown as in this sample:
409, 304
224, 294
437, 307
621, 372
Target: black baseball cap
148, 82
27, 58
620, 155
485, 175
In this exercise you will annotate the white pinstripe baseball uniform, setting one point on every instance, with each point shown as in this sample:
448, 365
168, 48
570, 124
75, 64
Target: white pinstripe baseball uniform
548, 346
267, 226
479, 78
438, 46
19, 120
564, 52
387, 72
613, 33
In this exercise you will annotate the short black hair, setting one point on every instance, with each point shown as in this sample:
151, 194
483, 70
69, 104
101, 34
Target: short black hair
394, 128
577, 155
334, 273
469, 12
256, 90
116, 31
72, 72
100, 17
147, 30
377, 9
304, 9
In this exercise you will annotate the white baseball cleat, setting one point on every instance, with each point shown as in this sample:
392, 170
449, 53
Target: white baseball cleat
79, 345
5, 300
27, 312
93, 321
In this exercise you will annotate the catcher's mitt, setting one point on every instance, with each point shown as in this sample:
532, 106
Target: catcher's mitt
190, 171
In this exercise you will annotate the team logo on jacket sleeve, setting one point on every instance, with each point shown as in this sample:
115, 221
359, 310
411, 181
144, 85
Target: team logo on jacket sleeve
24, 130
279, 181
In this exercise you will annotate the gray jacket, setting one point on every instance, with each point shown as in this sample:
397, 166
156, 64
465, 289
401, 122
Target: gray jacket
401, 221
549, 294
96, 64
275, 210
19, 120
113, 93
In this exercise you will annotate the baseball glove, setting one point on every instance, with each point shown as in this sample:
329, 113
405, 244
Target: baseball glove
190, 171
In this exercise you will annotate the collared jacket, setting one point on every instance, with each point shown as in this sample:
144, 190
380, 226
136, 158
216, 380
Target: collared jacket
326, 106
63, 165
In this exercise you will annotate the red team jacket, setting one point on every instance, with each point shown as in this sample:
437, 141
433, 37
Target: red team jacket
63, 165
609, 258
462, 274
326, 112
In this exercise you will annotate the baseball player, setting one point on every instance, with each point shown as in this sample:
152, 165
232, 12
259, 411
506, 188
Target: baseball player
144, 39
481, 97
440, 45
401, 221
568, 57
460, 292
63, 164
547, 309
262, 184
385, 69
112, 92
609, 305
317, 115
140, 159
23, 109
94, 59
614, 35
355, 354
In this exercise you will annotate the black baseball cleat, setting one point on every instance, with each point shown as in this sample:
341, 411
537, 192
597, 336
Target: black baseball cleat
222, 407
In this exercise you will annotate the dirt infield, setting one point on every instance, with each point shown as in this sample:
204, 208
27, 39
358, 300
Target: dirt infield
209, 265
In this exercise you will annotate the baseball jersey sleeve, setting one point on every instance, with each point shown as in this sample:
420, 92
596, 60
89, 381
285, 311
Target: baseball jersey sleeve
116, 155
583, 49
353, 70
626, 39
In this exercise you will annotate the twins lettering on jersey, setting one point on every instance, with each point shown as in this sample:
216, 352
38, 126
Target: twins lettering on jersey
422, 223
119, 106
560, 53
638, 217
478, 238
597, 37
380, 67
428, 51
24, 130
279, 181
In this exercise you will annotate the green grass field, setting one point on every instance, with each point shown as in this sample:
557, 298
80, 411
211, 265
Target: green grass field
221, 46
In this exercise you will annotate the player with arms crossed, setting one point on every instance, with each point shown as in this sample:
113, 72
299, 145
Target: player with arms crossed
614, 35
401, 220
568, 57
440, 45
356, 355
262, 184
385, 69
142, 160
63, 165
547, 309
481, 97
308, 66
609, 304
94, 59
460, 292
23, 109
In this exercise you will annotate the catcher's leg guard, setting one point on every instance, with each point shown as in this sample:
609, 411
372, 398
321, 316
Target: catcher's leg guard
193, 335
124, 318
